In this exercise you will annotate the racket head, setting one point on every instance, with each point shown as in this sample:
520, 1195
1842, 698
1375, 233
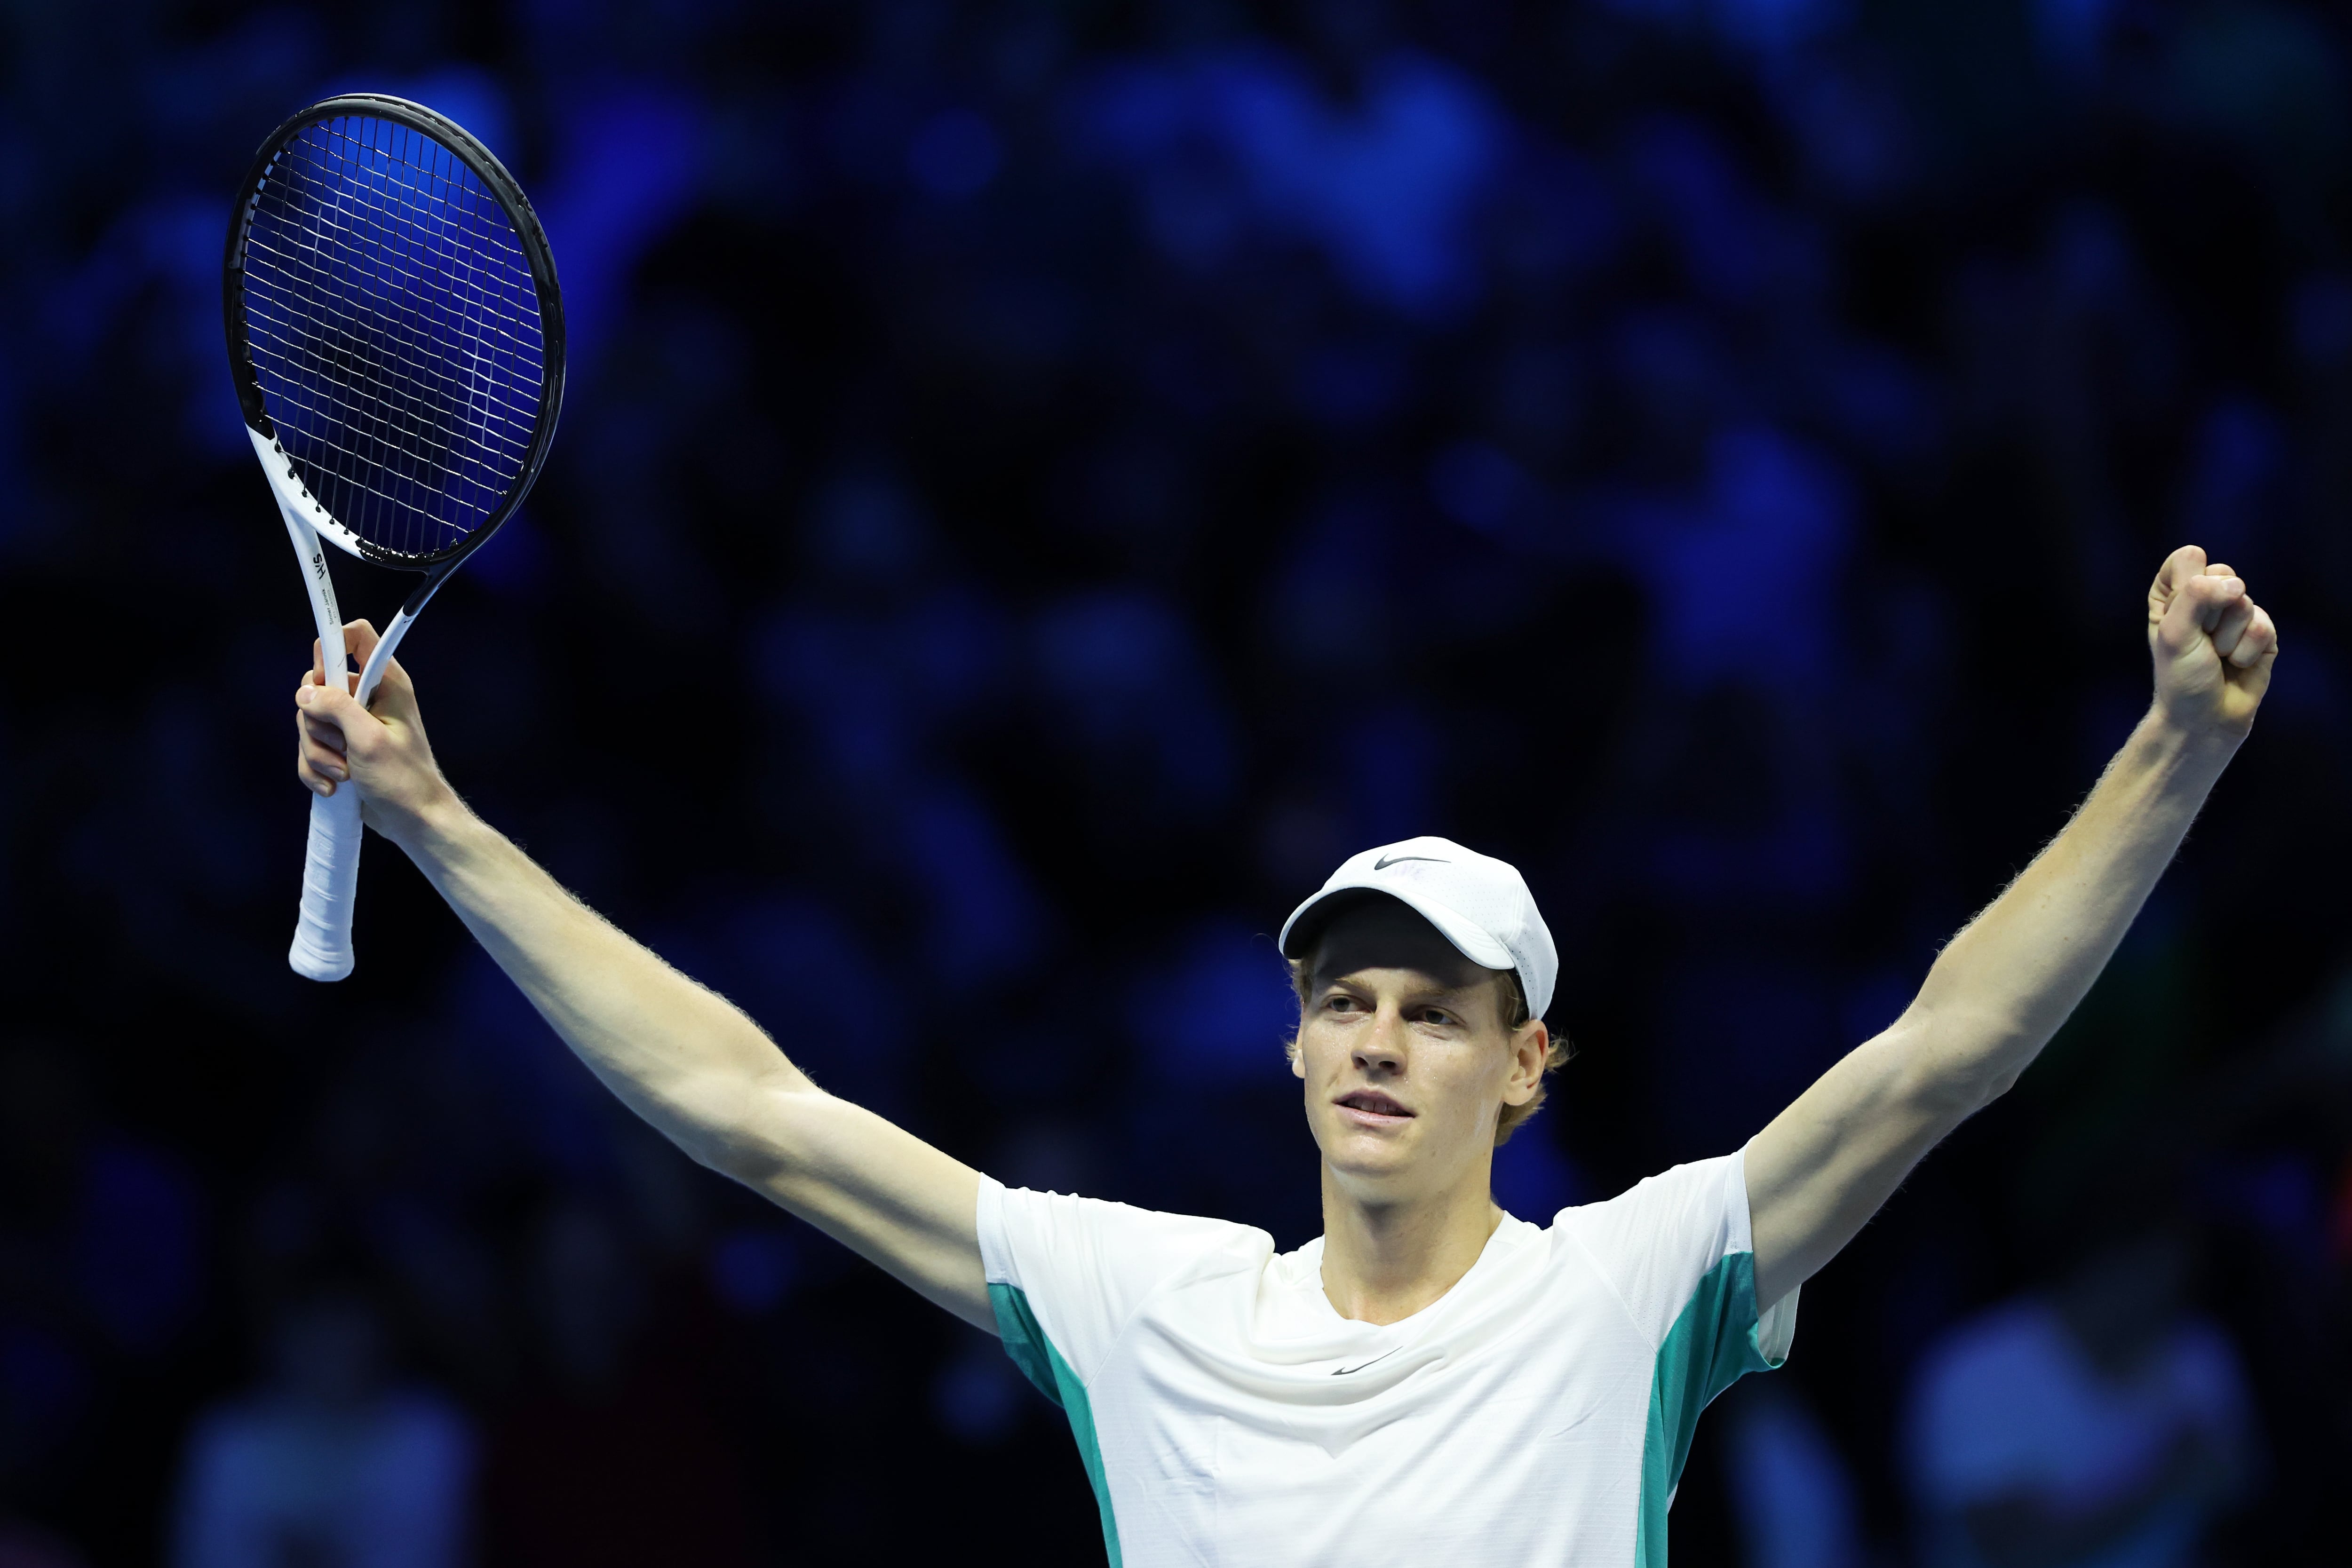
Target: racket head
395, 329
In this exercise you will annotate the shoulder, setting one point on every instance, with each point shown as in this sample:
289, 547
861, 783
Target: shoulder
1026, 1235
1679, 1184
1709, 1197
1672, 1244
1069, 1274
1101, 1220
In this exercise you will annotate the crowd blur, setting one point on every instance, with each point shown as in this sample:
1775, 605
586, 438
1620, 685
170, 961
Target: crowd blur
1040, 483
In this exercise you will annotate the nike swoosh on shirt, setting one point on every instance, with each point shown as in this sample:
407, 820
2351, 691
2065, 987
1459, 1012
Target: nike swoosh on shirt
1343, 1370
1387, 861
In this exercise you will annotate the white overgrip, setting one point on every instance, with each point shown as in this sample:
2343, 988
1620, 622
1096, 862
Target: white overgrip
331, 883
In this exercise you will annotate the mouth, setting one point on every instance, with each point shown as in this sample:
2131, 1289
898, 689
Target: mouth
1370, 1108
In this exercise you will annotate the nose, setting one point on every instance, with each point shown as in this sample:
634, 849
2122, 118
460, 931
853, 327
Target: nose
1380, 1049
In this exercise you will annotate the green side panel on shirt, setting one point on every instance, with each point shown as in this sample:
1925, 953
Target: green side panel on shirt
1711, 1346
1041, 1364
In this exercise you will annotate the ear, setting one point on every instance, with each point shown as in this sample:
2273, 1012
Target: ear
1530, 1045
1297, 1057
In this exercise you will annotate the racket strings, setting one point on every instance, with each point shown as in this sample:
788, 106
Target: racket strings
390, 246
377, 230
410, 443
394, 328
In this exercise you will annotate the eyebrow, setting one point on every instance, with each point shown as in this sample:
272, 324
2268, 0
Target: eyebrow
1443, 988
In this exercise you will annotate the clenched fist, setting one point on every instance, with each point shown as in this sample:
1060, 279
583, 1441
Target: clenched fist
2212, 644
379, 748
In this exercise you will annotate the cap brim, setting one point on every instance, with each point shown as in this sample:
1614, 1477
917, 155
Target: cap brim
1468, 939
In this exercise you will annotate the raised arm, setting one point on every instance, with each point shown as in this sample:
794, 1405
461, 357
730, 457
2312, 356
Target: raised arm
679, 1055
2002, 988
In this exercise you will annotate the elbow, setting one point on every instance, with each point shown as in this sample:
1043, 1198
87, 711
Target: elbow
748, 1132
1960, 1065
727, 1157
708, 1119
734, 1150
1981, 1091
710, 1145
1946, 1098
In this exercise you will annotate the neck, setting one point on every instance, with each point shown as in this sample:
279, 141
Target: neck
1383, 1260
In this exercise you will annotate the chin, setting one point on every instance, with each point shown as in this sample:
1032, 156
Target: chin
1352, 1152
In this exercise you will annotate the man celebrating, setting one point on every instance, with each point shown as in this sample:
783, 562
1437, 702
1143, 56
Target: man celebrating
1432, 1380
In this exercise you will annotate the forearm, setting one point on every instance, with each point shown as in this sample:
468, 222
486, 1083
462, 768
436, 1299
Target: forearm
678, 1054
2002, 986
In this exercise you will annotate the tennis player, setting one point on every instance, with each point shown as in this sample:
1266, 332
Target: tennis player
1432, 1381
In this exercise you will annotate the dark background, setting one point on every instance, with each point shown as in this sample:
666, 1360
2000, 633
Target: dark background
1042, 483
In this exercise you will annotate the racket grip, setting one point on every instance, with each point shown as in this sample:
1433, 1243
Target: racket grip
331, 882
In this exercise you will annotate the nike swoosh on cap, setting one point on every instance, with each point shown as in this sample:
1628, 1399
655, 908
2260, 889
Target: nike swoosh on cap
1387, 861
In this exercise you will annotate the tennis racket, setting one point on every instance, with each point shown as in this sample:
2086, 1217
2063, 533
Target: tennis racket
397, 340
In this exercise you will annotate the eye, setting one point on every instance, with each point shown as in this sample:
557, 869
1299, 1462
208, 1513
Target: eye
1340, 1004
1438, 1015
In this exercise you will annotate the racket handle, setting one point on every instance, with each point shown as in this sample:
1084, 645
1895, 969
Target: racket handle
331, 882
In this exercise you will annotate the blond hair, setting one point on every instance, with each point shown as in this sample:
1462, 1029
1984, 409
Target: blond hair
1516, 1016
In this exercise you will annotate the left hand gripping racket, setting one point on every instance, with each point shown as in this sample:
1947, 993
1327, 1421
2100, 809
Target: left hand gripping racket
397, 338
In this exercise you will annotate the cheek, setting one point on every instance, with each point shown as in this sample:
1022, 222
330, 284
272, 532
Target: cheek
1321, 1041
1471, 1082
1316, 1053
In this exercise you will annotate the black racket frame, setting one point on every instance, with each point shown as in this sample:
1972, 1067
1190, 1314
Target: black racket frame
502, 186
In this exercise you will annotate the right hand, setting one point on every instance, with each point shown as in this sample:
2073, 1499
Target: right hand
2213, 646
379, 748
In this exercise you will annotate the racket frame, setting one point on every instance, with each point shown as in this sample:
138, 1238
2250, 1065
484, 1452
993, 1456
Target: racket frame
322, 948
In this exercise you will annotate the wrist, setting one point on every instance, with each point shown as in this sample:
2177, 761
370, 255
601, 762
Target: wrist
2170, 739
434, 831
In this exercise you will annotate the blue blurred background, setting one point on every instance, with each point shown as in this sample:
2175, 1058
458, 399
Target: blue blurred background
1040, 483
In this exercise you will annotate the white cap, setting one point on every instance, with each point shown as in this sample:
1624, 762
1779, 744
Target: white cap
1477, 903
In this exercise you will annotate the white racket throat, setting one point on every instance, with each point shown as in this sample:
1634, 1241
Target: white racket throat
306, 523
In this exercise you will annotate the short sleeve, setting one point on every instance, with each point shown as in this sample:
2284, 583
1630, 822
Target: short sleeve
1065, 1274
1678, 1252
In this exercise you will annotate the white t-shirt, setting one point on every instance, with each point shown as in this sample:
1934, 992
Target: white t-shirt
1537, 1413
